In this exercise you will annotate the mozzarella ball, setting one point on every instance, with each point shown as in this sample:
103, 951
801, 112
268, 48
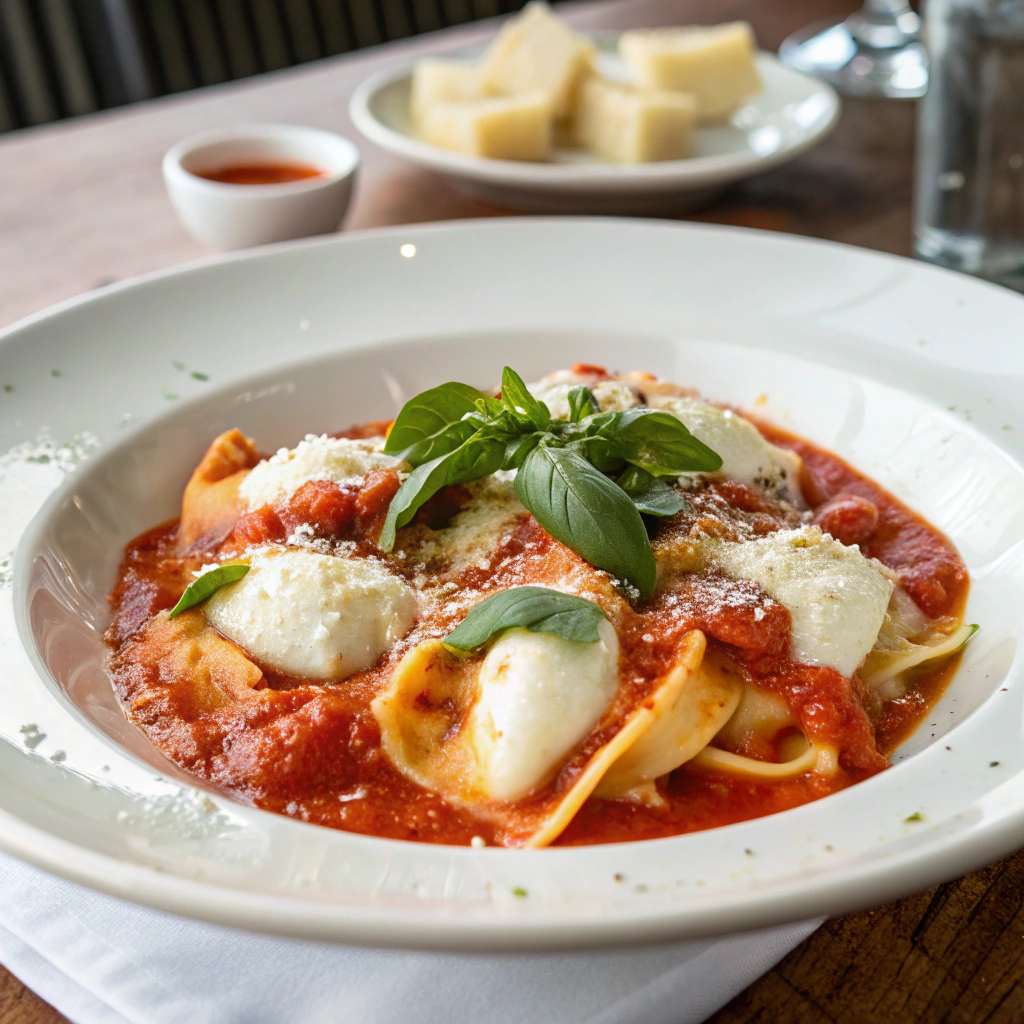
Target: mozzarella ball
313, 615
746, 456
538, 696
836, 597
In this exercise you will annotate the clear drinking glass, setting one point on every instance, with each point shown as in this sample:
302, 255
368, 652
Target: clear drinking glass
969, 194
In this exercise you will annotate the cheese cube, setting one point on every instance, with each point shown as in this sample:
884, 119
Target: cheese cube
536, 52
501, 127
443, 81
716, 65
623, 124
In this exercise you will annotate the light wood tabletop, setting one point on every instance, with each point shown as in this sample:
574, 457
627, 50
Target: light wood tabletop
82, 204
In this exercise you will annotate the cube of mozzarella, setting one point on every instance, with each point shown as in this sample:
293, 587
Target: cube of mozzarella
536, 52
443, 81
502, 127
623, 124
715, 65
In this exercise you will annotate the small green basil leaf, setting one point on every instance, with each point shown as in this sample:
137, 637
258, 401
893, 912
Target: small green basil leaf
537, 609
581, 403
206, 585
429, 414
658, 442
518, 448
651, 496
518, 400
487, 406
478, 457
587, 512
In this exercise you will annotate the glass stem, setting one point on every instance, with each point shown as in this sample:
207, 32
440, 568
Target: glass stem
883, 10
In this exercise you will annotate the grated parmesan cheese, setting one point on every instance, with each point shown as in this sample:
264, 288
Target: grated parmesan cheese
476, 532
340, 460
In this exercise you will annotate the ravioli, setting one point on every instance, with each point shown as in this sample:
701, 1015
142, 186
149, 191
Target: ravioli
509, 722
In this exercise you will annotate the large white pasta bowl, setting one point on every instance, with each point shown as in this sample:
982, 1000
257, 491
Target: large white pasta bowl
904, 370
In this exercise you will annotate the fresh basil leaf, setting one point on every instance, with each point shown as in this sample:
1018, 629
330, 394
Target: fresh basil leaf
426, 416
478, 457
601, 452
207, 585
587, 512
444, 441
518, 448
518, 400
581, 403
537, 609
656, 441
650, 495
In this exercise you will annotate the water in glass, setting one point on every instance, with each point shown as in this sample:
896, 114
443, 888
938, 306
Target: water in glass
969, 198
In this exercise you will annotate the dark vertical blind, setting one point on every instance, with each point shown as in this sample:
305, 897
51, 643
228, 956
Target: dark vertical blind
60, 58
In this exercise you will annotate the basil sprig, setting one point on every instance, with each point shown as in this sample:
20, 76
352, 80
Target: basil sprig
207, 585
453, 434
537, 609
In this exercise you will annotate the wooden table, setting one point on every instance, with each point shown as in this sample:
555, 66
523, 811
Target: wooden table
82, 204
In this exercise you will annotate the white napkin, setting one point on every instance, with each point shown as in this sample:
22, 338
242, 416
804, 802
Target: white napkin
100, 960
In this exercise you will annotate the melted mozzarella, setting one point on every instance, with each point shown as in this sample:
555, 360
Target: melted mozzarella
836, 597
313, 615
340, 460
553, 390
746, 456
538, 696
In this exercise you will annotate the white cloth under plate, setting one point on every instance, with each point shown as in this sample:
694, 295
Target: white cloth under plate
100, 960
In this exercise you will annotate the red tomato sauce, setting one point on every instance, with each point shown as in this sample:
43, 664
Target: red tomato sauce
312, 750
261, 174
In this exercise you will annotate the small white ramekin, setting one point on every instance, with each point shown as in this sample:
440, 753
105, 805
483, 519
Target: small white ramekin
227, 216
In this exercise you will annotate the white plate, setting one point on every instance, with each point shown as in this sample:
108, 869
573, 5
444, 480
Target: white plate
790, 115
908, 371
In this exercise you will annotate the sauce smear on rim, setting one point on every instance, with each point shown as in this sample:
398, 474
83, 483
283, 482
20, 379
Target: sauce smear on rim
261, 174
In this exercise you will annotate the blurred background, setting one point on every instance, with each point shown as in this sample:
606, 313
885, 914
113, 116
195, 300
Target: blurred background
62, 58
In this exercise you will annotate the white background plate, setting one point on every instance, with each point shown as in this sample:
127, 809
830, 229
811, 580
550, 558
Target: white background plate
792, 113
907, 371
